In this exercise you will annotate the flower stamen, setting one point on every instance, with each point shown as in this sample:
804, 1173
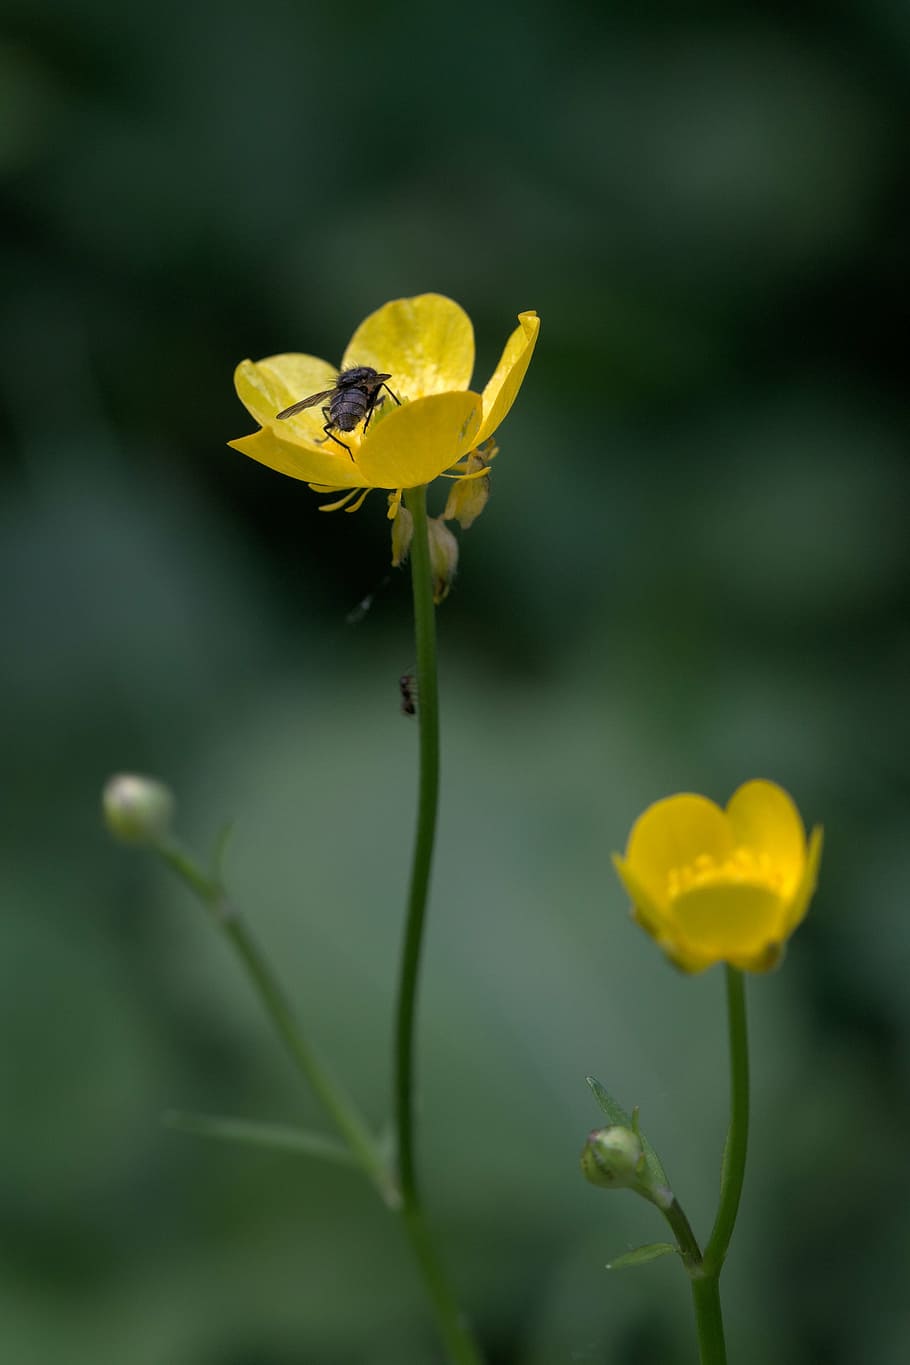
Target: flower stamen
335, 506
743, 867
356, 506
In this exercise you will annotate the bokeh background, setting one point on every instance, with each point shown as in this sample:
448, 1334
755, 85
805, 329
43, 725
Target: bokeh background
693, 570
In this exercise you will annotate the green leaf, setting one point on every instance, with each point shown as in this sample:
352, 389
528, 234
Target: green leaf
641, 1255
617, 1115
277, 1136
612, 1108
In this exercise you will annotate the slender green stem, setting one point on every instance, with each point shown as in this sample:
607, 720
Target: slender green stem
337, 1104
685, 1237
453, 1329
709, 1322
734, 1167
427, 803
274, 1136
450, 1322
706, 1276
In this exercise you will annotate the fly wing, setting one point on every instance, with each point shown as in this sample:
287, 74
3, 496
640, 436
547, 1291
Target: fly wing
310, 402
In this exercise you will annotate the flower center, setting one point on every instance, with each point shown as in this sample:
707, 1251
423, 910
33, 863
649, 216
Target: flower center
743, 867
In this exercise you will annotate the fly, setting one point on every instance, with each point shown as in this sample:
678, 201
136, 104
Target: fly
352, 399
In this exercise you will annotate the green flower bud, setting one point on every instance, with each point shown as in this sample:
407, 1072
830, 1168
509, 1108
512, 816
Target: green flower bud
137, 810
443, 557
469, 496
402, 533
613, 1158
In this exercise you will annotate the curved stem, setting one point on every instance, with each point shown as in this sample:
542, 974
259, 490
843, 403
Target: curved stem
338, 1105
734, 1167
689, 1249
427, 803
706, 1276
452, 1327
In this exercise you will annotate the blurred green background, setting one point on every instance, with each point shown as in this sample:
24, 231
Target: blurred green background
693, 570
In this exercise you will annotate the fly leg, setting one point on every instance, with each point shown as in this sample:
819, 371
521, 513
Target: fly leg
377, 403
328, 433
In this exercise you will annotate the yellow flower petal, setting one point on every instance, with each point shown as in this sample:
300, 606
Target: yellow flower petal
501, 391
672, 834
765, 819
313, 464
426, 343
796, 910
652, 919
648, 911
416, 442
725, 921
267, 387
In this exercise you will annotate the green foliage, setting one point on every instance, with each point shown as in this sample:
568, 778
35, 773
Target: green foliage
274, 1136
641, 1255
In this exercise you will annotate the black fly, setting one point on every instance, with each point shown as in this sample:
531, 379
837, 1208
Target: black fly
353, 399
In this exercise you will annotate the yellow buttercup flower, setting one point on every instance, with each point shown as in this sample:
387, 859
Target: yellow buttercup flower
714, 885
426, 345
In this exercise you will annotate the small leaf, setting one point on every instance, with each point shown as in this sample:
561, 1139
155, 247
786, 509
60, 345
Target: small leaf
612, 1108
277, 1136
641, 1255
616, 1114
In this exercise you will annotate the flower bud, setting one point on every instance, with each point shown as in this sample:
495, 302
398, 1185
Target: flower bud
613, 1158
469, 496
137, 810
443, 558
402, 533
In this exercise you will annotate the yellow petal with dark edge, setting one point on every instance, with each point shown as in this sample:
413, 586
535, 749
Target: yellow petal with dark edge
414, 443
501, 391
425, 343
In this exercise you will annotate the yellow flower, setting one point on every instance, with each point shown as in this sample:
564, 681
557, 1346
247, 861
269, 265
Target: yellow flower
426, 345
721, 886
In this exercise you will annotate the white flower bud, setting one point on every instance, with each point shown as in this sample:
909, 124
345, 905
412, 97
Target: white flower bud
137, 810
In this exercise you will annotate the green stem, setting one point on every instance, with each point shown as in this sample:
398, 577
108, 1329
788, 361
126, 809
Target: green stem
706, 1276
337, 1104
453, 1330
427, 804
734, 1167
709, 1322
451, 1325
685, 1238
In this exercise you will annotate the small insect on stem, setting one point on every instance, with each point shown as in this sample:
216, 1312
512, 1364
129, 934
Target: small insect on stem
353, 398
407, 685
